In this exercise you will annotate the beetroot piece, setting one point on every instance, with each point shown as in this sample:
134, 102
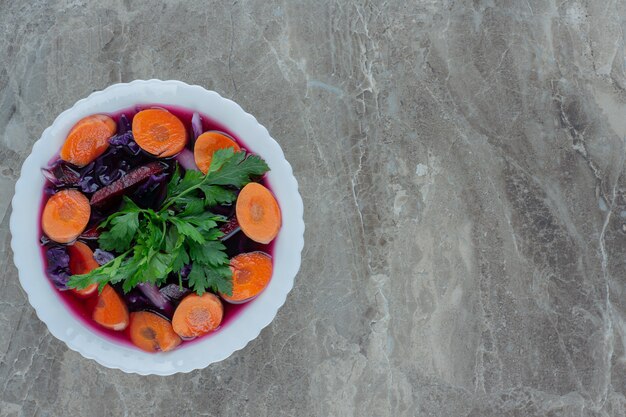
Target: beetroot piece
90, 234
230, 228
119, 187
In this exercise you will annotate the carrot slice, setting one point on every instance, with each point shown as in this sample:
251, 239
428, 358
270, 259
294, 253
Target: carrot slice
108, 121
88, 139
251, 273
88, 291
65, 215
82, 262
110, 311
258, 213
152, 333
206, 145
197, 315
159, 132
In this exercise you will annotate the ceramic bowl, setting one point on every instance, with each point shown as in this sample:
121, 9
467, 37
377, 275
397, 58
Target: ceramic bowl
46, 301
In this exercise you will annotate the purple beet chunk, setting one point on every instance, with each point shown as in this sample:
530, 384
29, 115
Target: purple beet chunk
117, 188
173, 292
229, 228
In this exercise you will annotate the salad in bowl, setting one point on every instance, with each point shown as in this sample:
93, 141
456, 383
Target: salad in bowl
168, 227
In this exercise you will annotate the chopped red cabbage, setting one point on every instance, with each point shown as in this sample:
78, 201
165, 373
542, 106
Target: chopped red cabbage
61, 173
58, 266
152, 192
152, 183
102, 257
121, 139
88, 184
133, 148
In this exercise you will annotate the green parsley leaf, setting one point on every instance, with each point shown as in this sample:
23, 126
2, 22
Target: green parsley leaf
154, 243
204, 221
219, 279
180, 258
173, 240
193, 205
214, 195
210, 253
159, 265
113, 271
174, 181
187, 229
235, 170
120, 236
191, 179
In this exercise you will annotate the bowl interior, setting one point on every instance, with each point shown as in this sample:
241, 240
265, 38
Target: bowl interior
64, 324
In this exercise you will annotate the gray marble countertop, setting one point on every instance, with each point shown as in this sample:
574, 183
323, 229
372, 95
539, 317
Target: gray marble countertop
462, 170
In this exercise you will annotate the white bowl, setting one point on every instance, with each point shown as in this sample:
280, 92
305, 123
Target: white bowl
63, 324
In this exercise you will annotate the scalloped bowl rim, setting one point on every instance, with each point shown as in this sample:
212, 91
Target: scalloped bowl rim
63, 323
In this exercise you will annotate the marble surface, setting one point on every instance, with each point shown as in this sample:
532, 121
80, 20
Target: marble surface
462, 169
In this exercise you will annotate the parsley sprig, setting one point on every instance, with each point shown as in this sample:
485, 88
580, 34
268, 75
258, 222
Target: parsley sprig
151, 244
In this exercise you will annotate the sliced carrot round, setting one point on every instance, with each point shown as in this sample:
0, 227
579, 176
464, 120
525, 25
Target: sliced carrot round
159, 132
206, 145
88, 291
251, 273
107, 121
65, 215
197, 315
258, 213
110, 311
152, 333
88, 139
82, 262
